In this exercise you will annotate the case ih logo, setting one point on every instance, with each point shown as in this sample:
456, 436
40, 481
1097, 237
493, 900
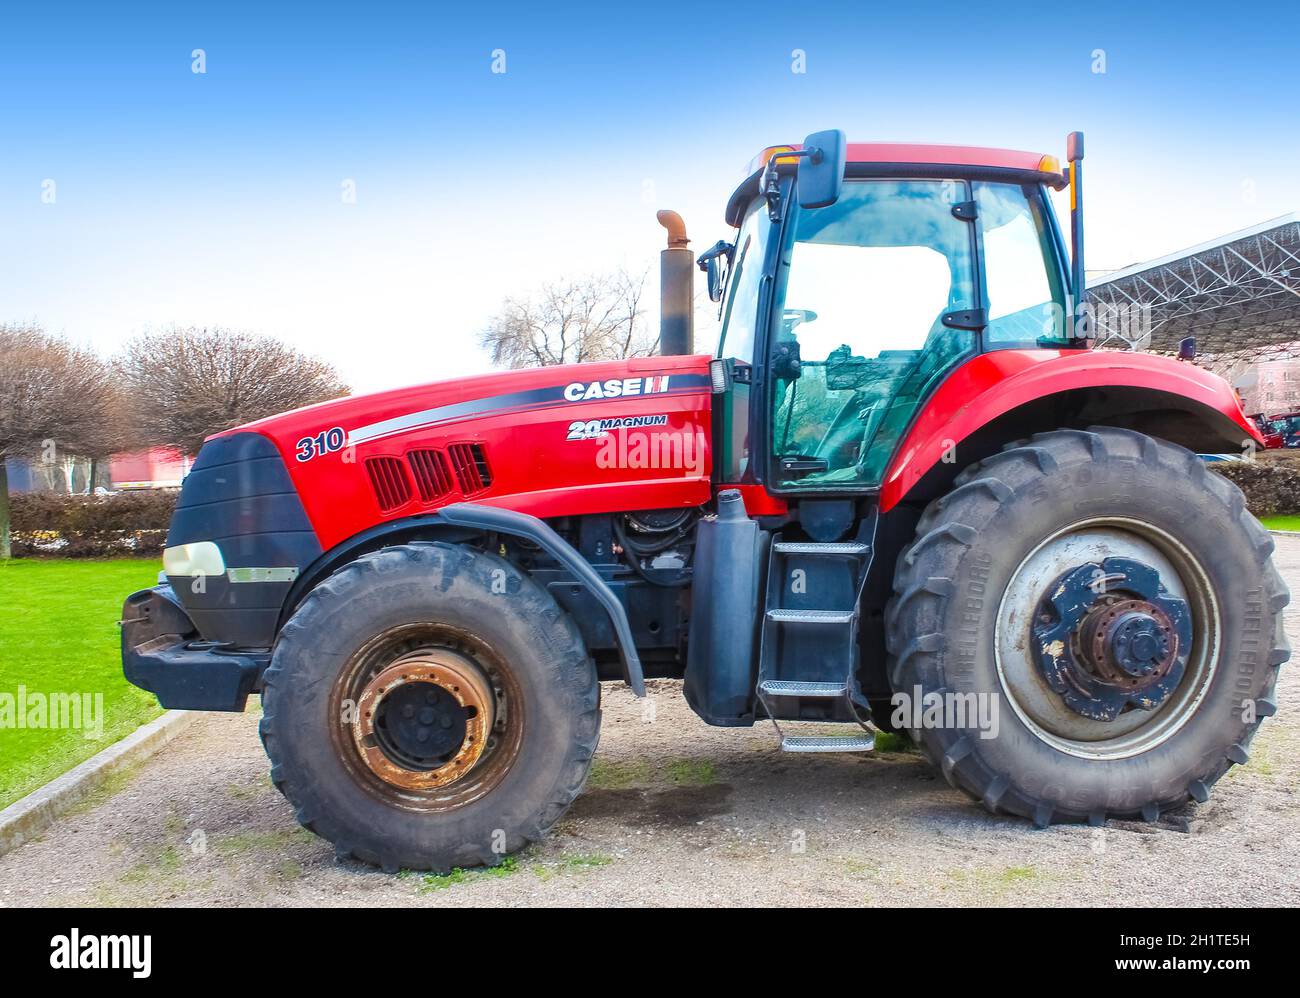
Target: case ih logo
580, 391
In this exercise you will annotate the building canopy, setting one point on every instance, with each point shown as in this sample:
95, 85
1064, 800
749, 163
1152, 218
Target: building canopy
1238, 295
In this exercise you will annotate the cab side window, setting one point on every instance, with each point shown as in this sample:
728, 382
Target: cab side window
1025, 294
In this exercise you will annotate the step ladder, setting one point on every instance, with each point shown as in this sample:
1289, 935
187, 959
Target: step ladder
808, 656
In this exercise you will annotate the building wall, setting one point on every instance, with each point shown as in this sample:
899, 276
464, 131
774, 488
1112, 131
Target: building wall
23, 477
160, 467
34, 475
1271, 386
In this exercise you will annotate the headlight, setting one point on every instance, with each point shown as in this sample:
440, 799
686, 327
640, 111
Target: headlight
202, 558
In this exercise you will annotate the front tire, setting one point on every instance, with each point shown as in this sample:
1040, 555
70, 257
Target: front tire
973, 600
429, 707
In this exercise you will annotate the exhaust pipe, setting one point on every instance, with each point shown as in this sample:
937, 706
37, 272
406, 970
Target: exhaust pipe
676, 289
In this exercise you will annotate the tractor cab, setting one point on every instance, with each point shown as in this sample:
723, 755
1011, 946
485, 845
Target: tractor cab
841, 313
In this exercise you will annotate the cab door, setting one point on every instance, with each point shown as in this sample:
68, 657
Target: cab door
876, 299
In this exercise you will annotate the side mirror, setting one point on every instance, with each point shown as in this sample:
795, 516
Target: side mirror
713, 278
1187, 348
821, 169
709, 263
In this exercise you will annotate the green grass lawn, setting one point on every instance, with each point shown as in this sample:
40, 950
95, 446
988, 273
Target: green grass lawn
1281, 522
58, 634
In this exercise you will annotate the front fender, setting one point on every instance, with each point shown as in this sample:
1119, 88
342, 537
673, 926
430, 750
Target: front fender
506, 521
464, 520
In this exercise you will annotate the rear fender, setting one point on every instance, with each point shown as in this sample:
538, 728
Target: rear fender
1158, 395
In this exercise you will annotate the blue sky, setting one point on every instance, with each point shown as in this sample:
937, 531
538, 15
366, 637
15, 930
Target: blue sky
217, 198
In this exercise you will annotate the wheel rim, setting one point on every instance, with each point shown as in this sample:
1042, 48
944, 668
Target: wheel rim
432, 717
1044, 710
424, 721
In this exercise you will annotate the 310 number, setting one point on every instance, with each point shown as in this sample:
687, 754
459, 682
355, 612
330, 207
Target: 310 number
325, 442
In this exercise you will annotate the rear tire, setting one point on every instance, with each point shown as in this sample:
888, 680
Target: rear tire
469, 607
951, 629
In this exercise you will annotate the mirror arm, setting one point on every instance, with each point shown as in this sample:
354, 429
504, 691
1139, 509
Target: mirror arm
772, 191
720, 248
771, 185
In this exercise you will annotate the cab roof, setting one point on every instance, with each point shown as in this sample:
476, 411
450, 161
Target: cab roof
864, 158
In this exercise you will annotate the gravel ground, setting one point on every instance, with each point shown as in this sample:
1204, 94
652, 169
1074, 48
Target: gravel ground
678, 813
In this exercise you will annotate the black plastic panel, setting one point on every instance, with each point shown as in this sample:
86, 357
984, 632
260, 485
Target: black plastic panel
258, 476
160, 655
248, 516
240, 496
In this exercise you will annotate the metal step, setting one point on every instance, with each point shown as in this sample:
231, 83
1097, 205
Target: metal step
828, 743
810, 616
814, 547
779, 688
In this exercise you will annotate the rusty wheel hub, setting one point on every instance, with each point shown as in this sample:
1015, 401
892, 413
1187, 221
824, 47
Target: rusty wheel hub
423, 721
1128, 642
1111, 637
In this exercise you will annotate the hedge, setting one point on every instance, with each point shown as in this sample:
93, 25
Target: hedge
66, 526
1272, 488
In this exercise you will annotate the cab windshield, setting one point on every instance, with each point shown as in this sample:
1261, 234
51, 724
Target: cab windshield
740, 317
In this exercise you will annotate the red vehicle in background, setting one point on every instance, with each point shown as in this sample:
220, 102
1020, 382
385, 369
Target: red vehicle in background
904, 495
1282, 430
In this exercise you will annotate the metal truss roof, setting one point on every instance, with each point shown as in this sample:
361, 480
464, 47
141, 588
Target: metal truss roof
1239, 294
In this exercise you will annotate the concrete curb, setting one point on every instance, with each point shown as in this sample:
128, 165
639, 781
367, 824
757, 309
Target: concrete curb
1285, 533
25, 819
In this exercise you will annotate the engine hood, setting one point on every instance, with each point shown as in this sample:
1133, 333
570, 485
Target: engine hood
377, 413
551, 441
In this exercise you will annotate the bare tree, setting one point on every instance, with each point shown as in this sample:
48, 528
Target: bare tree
56, 400
186, 384
593, 318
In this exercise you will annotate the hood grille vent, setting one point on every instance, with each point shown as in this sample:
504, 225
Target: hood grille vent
432, 476
437, 475
470, 464
388, 478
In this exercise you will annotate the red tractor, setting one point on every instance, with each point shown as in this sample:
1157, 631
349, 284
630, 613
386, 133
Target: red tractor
904, 495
